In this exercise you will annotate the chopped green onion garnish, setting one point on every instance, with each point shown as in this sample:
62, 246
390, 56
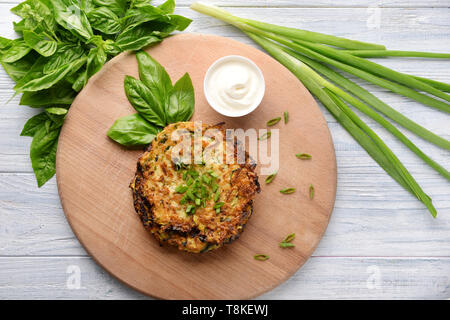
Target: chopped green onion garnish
289, 238
270, 177
219, 205
287, 190
189, 208
286, 117
261, 257
206, 179
273, 122
265, 136
181, 189
303, 156
311, 191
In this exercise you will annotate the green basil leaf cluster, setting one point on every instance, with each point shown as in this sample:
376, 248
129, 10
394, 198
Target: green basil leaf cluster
157, 101
62, 44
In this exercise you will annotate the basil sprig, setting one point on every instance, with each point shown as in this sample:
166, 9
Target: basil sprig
156, 100
62, 44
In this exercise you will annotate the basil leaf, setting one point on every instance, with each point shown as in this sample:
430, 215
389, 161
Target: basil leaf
162, 28
139, 15
34, 124
168, 6
37, 15
138, 3
16, 51
80, 81
38, 42
48, 80
56, 111
57, 120
66, 53
136, 38
153, 75
95, 60
18, 69
61, 93
116, 6
181, 101
179, 22
132, 130
43, 154
34, 72
69, 16
145, 101
5, 43
104, 20
87, 5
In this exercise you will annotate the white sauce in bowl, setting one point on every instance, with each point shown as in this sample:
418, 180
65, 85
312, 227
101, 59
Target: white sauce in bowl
234, 86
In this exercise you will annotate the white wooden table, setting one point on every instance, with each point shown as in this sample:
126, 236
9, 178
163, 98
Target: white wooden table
381, 242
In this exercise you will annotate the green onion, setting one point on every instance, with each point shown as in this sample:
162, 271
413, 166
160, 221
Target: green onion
303, 156
287, 190
392, 86
363, 134
190, 195
270, 177
217, 196
181, 189
438, 85
286, 117
374, 68
396, 53
190, 209
190, 181
261, 257
370, 99
289, 237
273, 122
311, 191
197, 202
305, 46
213, 174
286, 245
193, 173
386, 124
218, 205
206, 179
265, 136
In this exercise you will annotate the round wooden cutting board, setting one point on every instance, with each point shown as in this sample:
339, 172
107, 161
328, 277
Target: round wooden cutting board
94, 173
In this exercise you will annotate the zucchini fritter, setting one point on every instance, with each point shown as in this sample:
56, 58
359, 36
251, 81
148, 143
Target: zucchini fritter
195, 207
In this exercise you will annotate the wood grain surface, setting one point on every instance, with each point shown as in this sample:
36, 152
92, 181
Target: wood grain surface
377, 228
93, 175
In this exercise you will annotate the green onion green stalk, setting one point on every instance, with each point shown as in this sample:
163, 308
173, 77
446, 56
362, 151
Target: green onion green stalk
308, 56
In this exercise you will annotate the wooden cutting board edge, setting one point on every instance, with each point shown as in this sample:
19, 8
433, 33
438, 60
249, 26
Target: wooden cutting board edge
110, 64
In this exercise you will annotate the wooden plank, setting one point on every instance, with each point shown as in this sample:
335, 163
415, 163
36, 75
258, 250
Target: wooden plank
311, 3
14, 149
320, 278
373, 216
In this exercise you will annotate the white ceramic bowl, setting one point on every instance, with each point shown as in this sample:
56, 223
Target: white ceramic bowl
234, 113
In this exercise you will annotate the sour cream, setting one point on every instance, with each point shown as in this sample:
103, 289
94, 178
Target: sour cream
234, 86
